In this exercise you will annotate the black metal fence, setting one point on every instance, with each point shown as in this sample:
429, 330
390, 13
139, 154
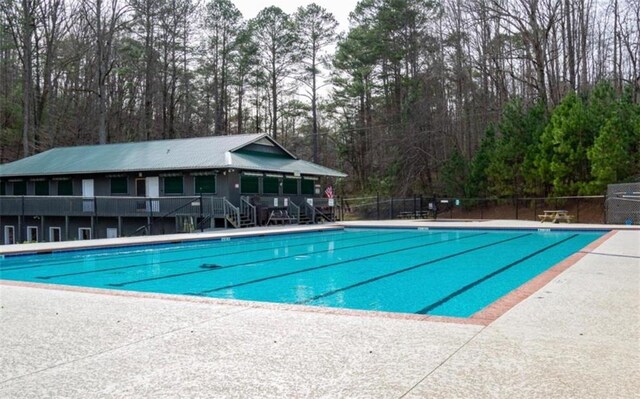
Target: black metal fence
583, 209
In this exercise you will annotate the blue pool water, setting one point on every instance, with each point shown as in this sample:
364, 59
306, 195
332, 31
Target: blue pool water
438, 272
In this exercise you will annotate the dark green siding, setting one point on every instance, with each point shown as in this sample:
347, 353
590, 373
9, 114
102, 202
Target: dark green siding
290, 186
205, 184
119, 185
173, 185
65, 187
249, 184
20, 188
270, 185
42, 188
308, 186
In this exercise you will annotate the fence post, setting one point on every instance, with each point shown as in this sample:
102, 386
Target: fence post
94, 220
377, 206
22, 223
150, 217
535, 209
391, 209
516, 199
604, 209
201, 216
578, 210
415, 216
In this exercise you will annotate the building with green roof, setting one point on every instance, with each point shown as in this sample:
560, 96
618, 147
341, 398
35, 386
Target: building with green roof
155, 187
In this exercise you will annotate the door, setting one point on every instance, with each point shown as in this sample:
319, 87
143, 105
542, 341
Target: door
9, 235
87, 195
141, 188
153, 191
153, 186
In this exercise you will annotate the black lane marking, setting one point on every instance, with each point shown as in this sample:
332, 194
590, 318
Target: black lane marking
469, 286
257, 261
371, 280
185, 259
215, 243
259, 280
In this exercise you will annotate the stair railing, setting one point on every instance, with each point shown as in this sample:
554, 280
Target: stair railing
246, 208
293, 210
231, 213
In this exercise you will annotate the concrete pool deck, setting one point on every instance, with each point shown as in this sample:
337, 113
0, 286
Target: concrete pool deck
578, 336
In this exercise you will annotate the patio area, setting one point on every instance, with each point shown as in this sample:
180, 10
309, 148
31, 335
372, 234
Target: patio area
576, 337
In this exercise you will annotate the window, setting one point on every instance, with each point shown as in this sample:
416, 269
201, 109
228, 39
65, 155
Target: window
9, 235
42, 187
270, 185
248, 184
65, 187
3, 189
19, 188
119, 185
32, 233
84, 233
290, 186
205, 184
173, 185
307, 187
55, 234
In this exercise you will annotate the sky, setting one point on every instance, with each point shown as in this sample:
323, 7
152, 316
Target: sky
339, 8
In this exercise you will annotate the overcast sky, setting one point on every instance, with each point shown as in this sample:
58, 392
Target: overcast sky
339, 8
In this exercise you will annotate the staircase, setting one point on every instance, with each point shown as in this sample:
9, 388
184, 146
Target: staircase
240, 217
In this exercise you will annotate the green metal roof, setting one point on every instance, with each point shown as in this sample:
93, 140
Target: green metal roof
214, 152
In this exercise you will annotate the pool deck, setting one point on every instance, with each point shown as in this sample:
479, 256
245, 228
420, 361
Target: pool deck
574, 335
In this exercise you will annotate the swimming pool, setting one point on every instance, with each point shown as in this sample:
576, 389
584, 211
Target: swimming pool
442, 272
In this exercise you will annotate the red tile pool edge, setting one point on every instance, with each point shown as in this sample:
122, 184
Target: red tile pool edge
502, 305
482, 318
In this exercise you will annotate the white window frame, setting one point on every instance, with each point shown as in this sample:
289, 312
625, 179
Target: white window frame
7, 235
29, 236
51, 234
81, 229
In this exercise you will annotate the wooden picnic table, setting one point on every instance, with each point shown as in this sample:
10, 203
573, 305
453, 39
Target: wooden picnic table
556, 216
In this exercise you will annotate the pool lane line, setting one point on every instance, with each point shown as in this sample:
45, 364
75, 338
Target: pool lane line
217, 243
404, 270
197, 257
471, 285
253, 262
259, 280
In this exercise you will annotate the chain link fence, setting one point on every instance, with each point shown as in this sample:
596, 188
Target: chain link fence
623, 203
583, 209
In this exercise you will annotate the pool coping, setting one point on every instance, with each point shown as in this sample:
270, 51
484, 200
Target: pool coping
483, 317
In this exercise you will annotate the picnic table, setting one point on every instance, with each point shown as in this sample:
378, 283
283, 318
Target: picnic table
556, 216
280, 216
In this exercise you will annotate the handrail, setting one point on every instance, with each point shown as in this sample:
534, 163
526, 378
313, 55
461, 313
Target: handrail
147, 227
247, 208
233, 211
315, 211
293, 210
311, 208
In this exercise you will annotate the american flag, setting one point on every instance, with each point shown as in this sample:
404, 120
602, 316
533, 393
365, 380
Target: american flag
329, 192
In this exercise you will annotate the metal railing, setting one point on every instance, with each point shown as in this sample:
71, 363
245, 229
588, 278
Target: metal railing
105, 206
293, 210
232, 213
247, 209
584, 209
